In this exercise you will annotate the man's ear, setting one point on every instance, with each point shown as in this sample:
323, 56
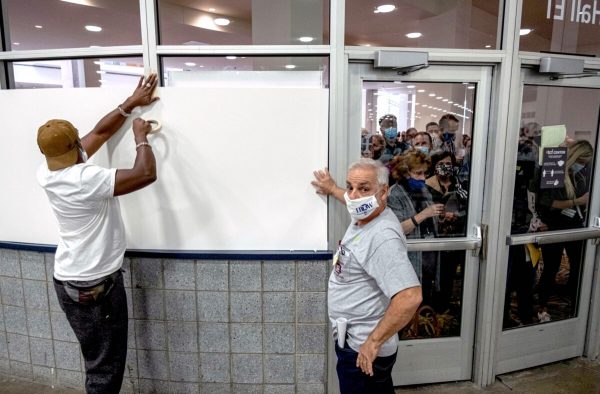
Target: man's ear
385, 193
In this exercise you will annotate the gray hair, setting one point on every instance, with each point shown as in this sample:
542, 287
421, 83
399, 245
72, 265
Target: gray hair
382, 172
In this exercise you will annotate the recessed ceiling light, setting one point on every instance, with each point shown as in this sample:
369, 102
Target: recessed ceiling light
450, 102
93, 28
410, 86
222, 21
471, 87
290, 66
439, 97
101, 72
488, 46
97, 62
38, 26
230, 57
384, 8
80, 2
190, 64
414, 35
445, 100
16, 43
94, 46
524, 32
421, 91
431, 94
366, 45
306, 39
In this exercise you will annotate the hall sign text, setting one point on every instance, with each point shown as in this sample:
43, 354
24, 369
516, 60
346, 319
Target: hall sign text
577, 11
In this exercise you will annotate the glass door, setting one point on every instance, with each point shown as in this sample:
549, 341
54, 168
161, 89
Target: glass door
554, 222
429, 128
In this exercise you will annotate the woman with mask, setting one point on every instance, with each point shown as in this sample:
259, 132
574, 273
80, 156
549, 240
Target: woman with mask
560, 209
410, 200
445, 188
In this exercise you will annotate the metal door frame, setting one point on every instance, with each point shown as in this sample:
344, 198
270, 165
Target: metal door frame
566, 338
431, 350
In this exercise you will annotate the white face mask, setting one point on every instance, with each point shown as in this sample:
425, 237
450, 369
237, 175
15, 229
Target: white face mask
361, 208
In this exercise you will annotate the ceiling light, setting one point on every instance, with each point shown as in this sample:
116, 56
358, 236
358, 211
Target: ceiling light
94, 46
38, 26
431, 94
488, 46
230, 57
93, 28
421, 91
97, 62
414, 35
439, 97
190, 64
450, 102
222, 21
101, 72
384, 8
366, 45
16, 43
306, 39
410, 87
524, 32
471, 87
445, 100
80, 2
290, 66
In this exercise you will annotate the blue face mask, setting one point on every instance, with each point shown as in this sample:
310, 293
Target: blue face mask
576, 167
415, 184
391, 133
424, 149
447, 136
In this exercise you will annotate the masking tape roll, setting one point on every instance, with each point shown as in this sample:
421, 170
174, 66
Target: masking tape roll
156, 126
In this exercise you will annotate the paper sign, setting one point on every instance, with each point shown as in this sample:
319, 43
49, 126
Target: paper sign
552, 136
553, 168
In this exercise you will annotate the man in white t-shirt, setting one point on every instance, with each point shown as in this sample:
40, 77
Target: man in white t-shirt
373, 285
89, 255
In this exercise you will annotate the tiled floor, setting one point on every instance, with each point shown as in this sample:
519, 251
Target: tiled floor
571, 376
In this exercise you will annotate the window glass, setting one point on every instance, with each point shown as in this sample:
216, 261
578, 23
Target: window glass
248, 71
563, 26
243, 22
422, 132
76, 73
554, 172
442, 282
51, 24
423, 24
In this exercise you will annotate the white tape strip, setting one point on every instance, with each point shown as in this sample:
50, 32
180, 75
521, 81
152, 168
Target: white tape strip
156, 126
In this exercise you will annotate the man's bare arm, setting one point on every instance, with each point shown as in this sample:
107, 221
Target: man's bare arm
400, 311
112, 122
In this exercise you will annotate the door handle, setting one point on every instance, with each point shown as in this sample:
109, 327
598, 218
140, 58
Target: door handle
576, 234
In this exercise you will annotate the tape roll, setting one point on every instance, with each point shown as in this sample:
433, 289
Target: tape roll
156, 126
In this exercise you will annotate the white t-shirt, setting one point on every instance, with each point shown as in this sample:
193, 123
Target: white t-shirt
92, 235
371, 266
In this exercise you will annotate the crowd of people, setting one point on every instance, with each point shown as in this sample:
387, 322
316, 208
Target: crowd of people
532, 280
429, 195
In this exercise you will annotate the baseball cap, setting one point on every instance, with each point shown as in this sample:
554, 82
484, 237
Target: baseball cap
59, 141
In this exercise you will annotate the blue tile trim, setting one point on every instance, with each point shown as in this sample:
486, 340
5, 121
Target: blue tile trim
195, 254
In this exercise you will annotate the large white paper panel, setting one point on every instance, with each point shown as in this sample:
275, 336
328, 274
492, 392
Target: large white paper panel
234, 166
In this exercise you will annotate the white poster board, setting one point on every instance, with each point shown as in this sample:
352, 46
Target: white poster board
234, 166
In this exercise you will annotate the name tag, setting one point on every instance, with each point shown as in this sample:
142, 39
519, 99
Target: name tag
568, 212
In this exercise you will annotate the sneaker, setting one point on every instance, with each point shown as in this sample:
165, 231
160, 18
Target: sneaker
544, 317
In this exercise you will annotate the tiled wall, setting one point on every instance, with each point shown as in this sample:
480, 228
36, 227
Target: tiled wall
200, 326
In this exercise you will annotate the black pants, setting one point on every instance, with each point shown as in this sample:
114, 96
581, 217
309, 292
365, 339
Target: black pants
354, 381
101, 328
552, 254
